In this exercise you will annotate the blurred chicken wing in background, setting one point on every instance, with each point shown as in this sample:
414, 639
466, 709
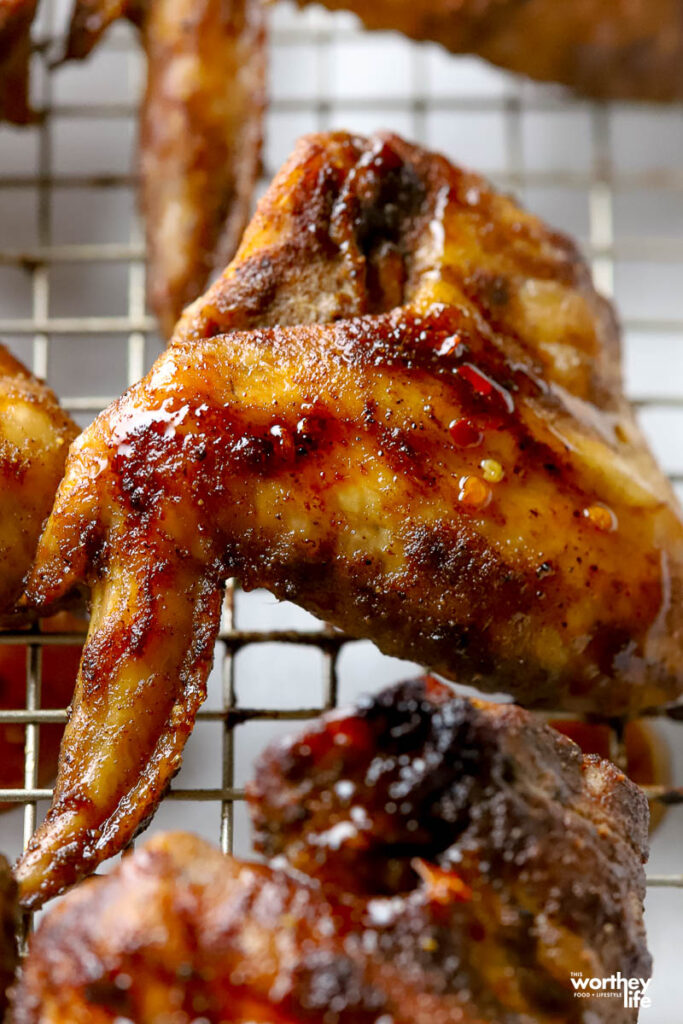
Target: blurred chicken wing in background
607, 49
200, 131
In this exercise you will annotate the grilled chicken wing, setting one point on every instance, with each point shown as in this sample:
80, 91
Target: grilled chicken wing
455, 862
449, 468
609, 49
8, 925
35, 434
16, 18
200, 132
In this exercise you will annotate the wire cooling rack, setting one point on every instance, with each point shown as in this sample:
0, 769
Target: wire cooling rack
72, 305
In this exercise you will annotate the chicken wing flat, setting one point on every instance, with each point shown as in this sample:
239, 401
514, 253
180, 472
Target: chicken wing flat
448, 468
455, 862
9, 918
608, 49
35, 434
200, 132
16, 18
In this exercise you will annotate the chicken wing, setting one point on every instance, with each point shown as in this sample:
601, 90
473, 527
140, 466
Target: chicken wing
9, 919
608, 49
200, 132
35, 434
16, 18
200, 141
448, 468
455, 862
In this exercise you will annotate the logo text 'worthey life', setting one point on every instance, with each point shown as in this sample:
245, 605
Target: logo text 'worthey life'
631, 990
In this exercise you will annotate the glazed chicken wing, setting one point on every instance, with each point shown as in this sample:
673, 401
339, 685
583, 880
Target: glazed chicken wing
16, 18
447, 467
455, 862
200, 132
35, 434
618, 49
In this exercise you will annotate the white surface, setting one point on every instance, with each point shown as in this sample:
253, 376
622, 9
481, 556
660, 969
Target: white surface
326, 74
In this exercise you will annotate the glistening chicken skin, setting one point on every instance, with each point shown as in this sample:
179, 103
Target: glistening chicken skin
454, 861
449, 468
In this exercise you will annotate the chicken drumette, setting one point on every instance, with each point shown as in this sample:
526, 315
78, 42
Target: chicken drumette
455, 862
448, 467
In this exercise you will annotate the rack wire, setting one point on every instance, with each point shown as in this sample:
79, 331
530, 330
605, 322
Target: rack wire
476, 114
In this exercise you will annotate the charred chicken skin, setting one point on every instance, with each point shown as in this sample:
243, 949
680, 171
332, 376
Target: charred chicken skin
16, 18
609, 49
35, 434
454, 862
447, 466
200, 132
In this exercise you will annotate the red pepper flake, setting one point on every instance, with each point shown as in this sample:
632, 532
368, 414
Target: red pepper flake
465, 433
476, 378
475, 493
601, 517
485, 386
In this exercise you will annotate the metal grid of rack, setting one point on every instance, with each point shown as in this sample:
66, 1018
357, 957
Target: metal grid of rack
72, 305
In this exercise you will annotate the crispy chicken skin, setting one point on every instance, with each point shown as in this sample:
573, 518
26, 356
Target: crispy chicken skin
9, 916
454, 862
343, 466
608, 49
200, 132
16, 18
35, 434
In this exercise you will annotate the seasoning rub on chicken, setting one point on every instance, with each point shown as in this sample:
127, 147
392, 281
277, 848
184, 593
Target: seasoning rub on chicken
440, 861
401, 408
